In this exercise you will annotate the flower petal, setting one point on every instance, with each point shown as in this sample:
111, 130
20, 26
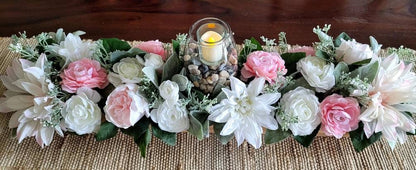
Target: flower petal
230, 127
256, 86
237, 86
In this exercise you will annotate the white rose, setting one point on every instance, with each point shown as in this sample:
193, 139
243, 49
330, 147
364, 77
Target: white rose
171, 117
153, 60
303, 104
317, 73
169, 90
127, 70
81, 115
351, 51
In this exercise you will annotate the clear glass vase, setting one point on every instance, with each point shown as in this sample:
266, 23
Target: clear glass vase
210, 54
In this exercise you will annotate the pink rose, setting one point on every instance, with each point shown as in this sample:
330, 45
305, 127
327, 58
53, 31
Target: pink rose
155, 47
339, 115
306, 49
83, 73
125, 106
263, 64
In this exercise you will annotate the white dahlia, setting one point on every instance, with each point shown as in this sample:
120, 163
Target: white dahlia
27, 94
392, 94
73, 48
244, 112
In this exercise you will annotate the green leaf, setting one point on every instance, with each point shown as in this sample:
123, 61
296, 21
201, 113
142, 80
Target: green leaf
273, 136
291, 59
182, 81
117, 55
368, 72
374, 45
138, 129
359, 139
167, 137
362, 62
298, 82
322, 55
107, 131
143, 141
307, 140
242, 58
340, 68
172, 66
199, 124
176, 46
113, 44
217, 129
344, 36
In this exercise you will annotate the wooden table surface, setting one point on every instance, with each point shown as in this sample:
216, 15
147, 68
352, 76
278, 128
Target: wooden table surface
392, 22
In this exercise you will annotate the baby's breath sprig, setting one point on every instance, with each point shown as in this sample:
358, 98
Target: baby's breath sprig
326, 43
20, 44
355, 87
201, 105
101, 55
270, 43
281, 83
283, 46
150, 92
285, 119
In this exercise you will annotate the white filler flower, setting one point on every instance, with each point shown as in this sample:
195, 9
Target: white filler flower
317, 73
245, 112
27, 94
392, 94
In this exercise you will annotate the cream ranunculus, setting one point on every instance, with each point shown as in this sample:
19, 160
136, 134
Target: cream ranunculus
171, 117
317, 73
304, 105
169, 90
127, 70
153, 60
81, 114
351, 51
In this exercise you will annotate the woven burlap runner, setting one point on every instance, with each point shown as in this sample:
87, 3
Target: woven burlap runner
83, 152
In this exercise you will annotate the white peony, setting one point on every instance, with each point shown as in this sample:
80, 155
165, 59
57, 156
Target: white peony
169, 90
317, 73
153, 60
73, 48
127, 70
245, 111
351, 51
392, 94
171, 117
27, 93
81, 114
304, 105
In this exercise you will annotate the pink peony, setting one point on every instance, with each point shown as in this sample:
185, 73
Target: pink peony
339, 115
263, 64
83, 73
155, 47
125, 106
306, 49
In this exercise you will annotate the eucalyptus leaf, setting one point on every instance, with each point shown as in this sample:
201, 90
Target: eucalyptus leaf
217, 129
167, 137
322, 55
60, 35
150, 73
339, 69
291, 59
199, 125
368, 72
143, 141
343, 36
182, 81
374, 45
359, 139
273, 136
117, 55
362, 62
217, 89
298, 82
107, 131
307, 140
136, 51
172, 66
113, 44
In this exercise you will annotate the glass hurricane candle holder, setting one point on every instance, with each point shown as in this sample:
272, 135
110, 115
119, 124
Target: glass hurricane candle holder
210, 54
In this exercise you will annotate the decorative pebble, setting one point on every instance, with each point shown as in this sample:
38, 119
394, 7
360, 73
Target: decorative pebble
195, 61
186, 57
221, 67
192, 46
213, 67
224, 74
209, 80
203, 87
196, 84
215, 77
210, 88
193, 69
233, 60
222, 80
204, 68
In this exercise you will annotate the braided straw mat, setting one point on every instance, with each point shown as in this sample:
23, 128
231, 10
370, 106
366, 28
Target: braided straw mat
120, 152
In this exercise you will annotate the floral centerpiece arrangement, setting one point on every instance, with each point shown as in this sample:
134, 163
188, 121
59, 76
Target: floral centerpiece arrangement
337, 86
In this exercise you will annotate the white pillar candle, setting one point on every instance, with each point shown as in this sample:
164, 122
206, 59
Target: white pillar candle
211, 48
